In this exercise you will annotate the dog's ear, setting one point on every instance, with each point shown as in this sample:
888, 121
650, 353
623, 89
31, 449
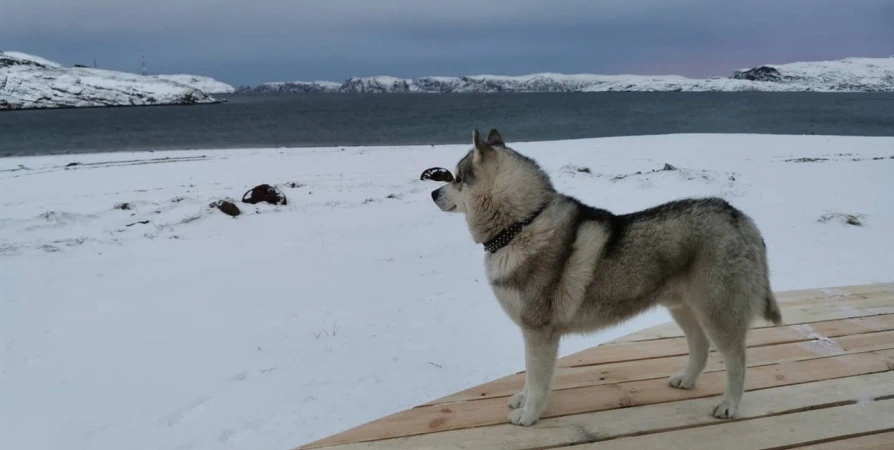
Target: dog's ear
481, 148
494, 139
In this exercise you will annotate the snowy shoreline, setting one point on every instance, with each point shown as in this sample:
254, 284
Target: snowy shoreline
134, 312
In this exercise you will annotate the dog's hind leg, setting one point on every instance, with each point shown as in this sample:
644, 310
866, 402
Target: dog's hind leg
734, 360
699, 346
541, 349
727, 331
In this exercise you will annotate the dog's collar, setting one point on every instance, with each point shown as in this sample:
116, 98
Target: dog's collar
501, 240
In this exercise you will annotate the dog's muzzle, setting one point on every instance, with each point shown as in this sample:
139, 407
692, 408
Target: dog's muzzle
440, 198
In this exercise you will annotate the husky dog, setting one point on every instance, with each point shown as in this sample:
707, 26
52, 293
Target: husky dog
558, 266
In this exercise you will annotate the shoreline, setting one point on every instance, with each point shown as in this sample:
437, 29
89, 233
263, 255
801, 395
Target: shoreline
238, 94
60, 108
421, 146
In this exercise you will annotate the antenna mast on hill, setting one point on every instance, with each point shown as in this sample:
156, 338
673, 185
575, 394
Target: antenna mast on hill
144, 70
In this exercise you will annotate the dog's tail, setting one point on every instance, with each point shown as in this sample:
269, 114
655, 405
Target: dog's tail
771, 309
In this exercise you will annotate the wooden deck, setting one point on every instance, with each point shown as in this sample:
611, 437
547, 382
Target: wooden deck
823, 380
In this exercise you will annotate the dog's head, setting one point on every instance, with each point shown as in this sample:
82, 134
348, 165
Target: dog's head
493, 184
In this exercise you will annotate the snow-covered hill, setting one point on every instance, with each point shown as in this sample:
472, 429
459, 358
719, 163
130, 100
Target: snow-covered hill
851, 75
846, 75
205, 84
28, 81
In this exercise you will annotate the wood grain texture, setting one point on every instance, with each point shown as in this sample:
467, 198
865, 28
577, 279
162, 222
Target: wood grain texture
878, 441
829, 309
574, 377
766, 433
494, 411
600, 426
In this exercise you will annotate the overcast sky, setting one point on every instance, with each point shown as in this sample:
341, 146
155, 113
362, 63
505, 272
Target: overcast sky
252, 41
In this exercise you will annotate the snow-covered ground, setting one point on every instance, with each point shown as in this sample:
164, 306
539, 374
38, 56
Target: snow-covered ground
846, 75
195, 330
28, 81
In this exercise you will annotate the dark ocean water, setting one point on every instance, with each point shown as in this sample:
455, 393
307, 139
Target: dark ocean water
330, 120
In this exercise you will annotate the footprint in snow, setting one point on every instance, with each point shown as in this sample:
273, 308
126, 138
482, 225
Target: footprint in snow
187, 413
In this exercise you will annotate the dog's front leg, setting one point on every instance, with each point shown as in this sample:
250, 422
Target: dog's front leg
541, 349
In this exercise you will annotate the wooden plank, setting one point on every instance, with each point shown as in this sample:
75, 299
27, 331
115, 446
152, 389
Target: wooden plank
605, 354
494, 411
792, 314
845, 308
599, 426
878, 441
574, 377
832, 291
770, 432
630, 351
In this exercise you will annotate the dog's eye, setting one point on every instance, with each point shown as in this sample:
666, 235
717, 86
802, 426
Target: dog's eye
458, 180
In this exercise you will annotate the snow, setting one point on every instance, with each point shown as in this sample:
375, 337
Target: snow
291, 323
851, 75
205, 84
31, 58
28, 81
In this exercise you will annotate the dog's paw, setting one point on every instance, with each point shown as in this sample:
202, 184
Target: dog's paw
680, 382
522, 417
517, 400
725, 410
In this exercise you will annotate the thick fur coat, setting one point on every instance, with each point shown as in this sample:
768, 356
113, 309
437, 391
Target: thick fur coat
575, 268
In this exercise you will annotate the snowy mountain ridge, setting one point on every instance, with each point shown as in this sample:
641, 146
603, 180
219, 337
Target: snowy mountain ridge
846, 75
28, 82
205, 84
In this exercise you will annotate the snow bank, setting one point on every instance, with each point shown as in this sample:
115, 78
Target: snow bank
358, 299
28, 81
852, 75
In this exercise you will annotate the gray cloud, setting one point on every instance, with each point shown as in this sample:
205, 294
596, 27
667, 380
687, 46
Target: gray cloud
253, 41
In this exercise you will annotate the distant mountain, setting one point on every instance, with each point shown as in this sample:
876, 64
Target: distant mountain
28, 81
846, 75
299, 87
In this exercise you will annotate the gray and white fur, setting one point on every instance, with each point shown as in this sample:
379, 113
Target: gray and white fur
578, 269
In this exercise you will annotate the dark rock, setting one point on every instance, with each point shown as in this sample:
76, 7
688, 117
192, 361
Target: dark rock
264, 193
849, 219
228, 208
761, 73
802, 160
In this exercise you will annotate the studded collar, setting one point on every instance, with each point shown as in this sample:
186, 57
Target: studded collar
501, 240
